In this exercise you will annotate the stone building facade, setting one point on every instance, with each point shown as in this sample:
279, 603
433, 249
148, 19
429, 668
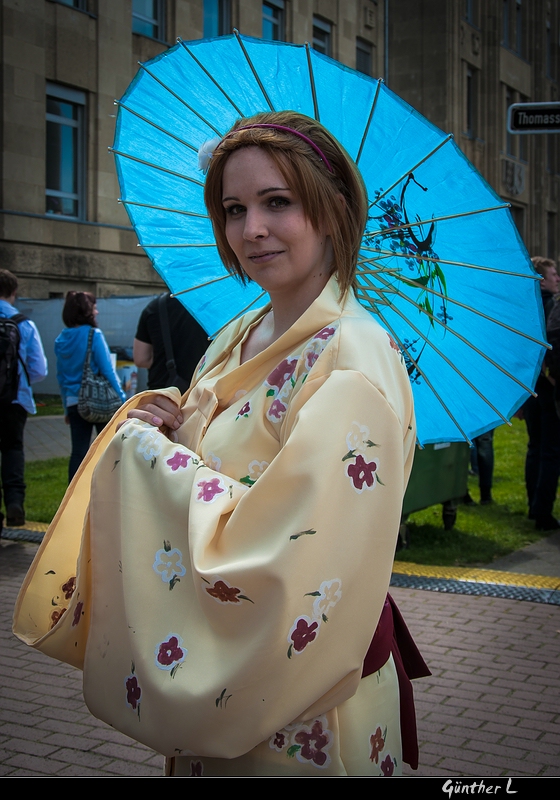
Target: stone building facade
462, 63
459, 62
63, 64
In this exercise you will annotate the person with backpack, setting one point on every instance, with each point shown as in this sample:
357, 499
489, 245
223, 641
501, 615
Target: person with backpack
22, 363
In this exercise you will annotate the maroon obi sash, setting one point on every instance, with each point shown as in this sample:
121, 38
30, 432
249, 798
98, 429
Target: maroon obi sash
393, 637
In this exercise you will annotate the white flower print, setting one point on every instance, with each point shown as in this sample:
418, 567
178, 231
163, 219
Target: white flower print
151, 441
213, 462
256, 469
358, 439
331, 593
168, 564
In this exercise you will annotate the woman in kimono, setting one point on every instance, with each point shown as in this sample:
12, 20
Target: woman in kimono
238, 543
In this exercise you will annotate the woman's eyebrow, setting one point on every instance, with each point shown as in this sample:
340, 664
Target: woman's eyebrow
261, 192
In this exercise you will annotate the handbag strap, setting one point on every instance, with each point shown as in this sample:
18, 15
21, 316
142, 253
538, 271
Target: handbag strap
87, 361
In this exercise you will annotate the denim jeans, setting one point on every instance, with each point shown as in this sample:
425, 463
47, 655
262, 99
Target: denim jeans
542, 465
80, 432
12, 422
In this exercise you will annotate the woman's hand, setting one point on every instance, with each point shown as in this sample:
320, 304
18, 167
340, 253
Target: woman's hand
159, 411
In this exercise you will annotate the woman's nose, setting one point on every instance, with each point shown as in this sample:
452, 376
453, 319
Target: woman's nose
255, 225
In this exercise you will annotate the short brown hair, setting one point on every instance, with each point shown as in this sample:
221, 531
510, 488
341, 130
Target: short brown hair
79, 309
541, 264
8, 283
308, 177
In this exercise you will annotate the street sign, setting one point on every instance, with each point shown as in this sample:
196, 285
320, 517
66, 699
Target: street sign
534, 118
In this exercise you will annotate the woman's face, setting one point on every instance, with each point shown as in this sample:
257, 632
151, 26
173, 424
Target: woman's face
268, 231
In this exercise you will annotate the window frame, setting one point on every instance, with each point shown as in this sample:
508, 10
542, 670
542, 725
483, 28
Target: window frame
158, 22
279, 21
222, 11
78, 99
322, 26
365, 47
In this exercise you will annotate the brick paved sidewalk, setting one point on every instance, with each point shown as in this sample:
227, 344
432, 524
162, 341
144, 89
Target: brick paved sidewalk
491, 709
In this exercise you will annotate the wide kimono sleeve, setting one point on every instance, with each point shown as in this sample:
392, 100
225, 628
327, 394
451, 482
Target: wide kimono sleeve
222, 612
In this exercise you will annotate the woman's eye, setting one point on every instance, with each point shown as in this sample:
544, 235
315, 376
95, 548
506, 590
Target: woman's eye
279, 202
233, 211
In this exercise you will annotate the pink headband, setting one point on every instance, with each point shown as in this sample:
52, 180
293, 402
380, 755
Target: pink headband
305, 138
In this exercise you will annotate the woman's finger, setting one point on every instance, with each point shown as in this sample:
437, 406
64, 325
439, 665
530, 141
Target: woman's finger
159, 411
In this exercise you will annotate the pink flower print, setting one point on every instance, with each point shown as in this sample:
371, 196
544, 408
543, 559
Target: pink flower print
56, 615
277, 410
77, 613
325, 334
388, 767
178, 461
281, 373
133, 692
197, 770
392, 342
314, 743
170, 654
209, 490
68, 588
244, 411
362, 474
224, 593
278, 742
310, 358
302, 633
377, 743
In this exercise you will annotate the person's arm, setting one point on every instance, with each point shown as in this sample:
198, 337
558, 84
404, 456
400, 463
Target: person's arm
244, 608
102, 357
32, 353
142, 354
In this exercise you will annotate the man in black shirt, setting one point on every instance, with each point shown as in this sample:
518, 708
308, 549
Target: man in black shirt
187, 343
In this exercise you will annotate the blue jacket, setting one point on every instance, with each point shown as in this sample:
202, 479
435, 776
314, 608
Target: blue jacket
71, 348
31, 353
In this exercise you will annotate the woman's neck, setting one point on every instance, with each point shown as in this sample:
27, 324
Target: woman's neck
284, 313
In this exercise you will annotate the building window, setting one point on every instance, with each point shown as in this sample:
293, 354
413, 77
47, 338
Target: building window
322, 36
513, 26
273, 20
148, 18
81, 4
65, 155
551, 236
471, 98
470, 11
511, 138
364, 57
217, 18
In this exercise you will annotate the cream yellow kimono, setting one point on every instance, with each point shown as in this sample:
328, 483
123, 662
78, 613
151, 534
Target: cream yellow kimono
227, 586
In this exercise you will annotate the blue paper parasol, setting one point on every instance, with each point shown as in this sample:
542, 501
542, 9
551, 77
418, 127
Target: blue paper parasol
442, 265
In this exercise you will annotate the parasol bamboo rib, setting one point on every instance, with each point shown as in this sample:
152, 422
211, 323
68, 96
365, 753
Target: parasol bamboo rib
408, 171
214, 81
243, 310
312, 83
200, 285
155, 166
428, 382
461, 337
209, 244
162, 208
369, 234
390, 253
444, 357
159, 128
457, 303
368, 123
180, 99
253, 70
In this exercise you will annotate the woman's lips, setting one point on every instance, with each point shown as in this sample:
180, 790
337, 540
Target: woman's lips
262, 258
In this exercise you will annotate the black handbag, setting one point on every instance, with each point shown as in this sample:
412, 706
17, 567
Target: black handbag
97, 401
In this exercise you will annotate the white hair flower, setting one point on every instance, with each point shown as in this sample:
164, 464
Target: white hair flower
205, 153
